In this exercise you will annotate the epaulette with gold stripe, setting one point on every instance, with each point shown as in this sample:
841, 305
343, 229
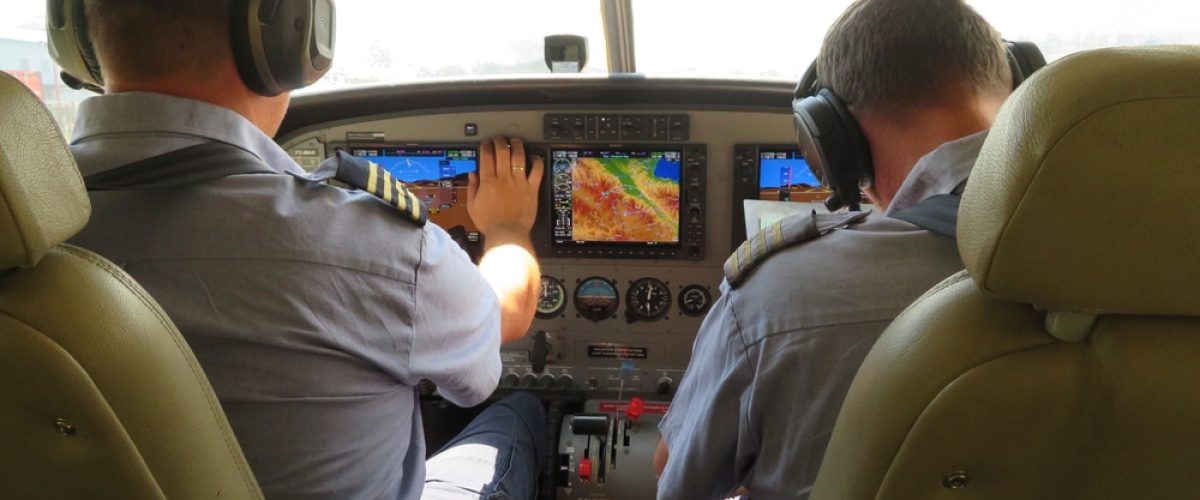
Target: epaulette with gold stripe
370, 177
785, 233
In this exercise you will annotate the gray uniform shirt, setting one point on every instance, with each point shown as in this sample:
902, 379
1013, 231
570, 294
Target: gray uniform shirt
313, 310
775, 357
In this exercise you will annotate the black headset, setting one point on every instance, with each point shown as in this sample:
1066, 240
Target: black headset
279, 45
834, 145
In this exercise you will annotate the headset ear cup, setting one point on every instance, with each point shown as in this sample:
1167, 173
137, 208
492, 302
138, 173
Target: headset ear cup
834, 145
281, 46
245, 35
70, 44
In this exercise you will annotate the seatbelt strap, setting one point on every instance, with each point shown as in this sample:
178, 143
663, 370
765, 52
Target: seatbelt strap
199, 163
936, 214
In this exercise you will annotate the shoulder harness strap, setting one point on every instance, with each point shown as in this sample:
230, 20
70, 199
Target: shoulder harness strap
199, 163
936, 214
787, 232
368, 176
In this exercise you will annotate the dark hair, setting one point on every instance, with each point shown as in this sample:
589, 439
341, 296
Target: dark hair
894, 55
149, 39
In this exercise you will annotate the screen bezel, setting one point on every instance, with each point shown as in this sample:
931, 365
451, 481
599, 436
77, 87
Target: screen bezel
548, 197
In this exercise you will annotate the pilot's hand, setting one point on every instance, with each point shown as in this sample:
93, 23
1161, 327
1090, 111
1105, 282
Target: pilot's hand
500, 197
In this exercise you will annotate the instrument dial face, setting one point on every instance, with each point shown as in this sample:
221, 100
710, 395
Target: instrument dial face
552, 298
648, 299
694, 300
596, 299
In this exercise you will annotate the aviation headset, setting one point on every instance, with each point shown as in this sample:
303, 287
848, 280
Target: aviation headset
834, 145
279, 45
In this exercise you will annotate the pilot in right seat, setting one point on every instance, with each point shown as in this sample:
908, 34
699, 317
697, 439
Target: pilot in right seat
314, 310
904, 94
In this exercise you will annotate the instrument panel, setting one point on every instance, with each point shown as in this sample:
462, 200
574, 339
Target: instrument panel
628, 236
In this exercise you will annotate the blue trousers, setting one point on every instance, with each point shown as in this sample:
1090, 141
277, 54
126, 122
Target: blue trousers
499, 456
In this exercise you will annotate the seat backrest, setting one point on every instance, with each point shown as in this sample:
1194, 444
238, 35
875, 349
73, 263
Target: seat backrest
100, 397
1063, 363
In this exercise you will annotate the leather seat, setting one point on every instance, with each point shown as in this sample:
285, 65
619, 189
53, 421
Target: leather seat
1065, 362
99, 395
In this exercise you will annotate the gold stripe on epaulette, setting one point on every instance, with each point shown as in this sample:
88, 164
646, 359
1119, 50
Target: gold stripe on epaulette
414, 205
387, 186
737, 263
372, 176
401, 201
777, 232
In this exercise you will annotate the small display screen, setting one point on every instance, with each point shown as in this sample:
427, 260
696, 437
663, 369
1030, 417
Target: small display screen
615, 196
436, 175
784, 175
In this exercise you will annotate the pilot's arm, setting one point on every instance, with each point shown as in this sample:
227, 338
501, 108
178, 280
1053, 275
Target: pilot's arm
502, 202
706, 439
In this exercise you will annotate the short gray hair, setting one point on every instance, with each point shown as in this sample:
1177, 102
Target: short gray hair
895, 55
151, 39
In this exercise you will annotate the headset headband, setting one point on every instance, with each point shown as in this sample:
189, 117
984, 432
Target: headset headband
833, 143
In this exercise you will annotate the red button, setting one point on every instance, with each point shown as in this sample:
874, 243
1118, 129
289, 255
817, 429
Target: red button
635, 409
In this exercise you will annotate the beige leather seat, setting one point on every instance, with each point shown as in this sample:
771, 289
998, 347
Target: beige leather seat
1066, 362
99, 395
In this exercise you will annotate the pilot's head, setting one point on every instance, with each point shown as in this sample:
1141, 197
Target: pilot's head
915, 74
176, 47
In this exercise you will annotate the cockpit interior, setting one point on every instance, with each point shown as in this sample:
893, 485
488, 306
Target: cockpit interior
669, 140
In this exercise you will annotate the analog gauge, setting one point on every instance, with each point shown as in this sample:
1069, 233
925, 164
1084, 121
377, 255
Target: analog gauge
694, 300
562, 182
552, 298
648, 299
596, 299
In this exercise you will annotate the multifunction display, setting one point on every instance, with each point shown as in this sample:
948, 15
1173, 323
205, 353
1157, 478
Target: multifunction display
628, 197
624, 201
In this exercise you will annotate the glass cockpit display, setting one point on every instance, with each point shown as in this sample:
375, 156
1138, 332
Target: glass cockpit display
436, 175
616, 196
784, 175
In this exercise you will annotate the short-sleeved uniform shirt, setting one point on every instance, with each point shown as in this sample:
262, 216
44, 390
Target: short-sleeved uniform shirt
775, 357
314, 310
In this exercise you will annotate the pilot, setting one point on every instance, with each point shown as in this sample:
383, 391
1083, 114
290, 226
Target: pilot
800, 309
315, 311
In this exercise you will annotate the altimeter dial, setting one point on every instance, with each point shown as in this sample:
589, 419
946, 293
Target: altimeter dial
648, 299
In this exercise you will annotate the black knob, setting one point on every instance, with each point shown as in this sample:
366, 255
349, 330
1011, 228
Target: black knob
564, 382
546, 381
509, 380
527, 381
665, 385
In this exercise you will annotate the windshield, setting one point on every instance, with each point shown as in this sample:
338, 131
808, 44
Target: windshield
780, 38
399, 41
396, 42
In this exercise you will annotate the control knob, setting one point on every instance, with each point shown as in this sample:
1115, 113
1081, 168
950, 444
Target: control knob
665, 385
564, 382
527, 381
509, 380
546, 381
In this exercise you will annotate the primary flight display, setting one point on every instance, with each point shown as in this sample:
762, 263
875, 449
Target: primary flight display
617, 196
436, 175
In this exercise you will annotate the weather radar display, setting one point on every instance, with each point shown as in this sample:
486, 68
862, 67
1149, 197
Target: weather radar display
616, 196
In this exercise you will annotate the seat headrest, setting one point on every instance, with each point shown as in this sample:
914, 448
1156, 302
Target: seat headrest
1083, 199
42, 198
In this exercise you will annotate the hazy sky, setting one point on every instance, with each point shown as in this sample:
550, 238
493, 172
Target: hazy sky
405, 39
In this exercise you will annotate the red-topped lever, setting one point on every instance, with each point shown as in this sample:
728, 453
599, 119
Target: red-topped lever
585, 469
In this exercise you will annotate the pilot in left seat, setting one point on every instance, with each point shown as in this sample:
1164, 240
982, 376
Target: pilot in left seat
313, 310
